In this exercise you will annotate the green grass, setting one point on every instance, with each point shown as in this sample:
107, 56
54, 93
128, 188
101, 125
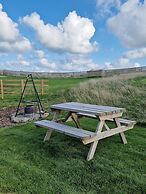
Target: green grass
57, 87
27, 165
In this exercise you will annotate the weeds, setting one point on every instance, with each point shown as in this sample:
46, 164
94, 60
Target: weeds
120, 91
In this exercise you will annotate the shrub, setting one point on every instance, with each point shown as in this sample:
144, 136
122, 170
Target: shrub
120, 91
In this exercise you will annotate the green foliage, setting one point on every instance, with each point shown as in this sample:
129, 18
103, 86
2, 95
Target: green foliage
121, 91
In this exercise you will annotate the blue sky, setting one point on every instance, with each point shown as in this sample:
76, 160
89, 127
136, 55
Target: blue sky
73, 35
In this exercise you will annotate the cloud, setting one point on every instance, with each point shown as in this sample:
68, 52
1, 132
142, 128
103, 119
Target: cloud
126, 58
39, 53
137, 53
108, 65
20, 45
49, 65
71, 35
78, 63
10, 37
105, 7
129, 24
137, 65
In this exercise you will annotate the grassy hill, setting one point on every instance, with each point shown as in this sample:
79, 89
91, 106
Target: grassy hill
28, 165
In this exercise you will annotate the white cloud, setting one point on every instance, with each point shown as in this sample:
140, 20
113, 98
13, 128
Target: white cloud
23, 62
104, 7
71, 35
129, 25
137, 65
78, 63
39, 53
20, 45
125, 60
108, 65
50, 65
137, 53
10, 37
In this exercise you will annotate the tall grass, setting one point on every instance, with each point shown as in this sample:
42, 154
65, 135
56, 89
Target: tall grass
120, 91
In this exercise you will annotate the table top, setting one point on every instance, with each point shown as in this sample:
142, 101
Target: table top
92, 109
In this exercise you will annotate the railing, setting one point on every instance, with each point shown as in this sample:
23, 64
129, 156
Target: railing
15, 86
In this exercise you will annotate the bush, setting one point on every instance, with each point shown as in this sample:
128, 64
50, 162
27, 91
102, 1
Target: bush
120, 91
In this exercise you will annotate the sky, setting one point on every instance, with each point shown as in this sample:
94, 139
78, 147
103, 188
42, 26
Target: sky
72, 35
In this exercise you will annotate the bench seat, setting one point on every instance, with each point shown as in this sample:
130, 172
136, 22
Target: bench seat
70, 131
125, 122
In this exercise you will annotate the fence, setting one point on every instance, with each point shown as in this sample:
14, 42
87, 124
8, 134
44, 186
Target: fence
15, 86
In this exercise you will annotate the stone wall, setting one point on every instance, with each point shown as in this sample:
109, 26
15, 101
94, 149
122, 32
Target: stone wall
97, 73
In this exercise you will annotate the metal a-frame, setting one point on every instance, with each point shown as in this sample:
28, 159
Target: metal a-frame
37, 101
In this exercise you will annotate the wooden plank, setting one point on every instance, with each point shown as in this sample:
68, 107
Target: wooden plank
71, 131
7, 85
22, 85
48, 135
94, 144
86, 108
77, 109
122, 121
76, 130
106, 134
13, 80
10, 92
96, 106
49, 132
122, 135
127, 122
2, 89
42, 87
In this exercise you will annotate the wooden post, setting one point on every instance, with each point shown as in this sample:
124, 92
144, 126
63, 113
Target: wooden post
2, 89
22, 85
42, 84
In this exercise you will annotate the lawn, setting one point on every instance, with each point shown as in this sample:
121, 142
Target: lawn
56, 88
28, 165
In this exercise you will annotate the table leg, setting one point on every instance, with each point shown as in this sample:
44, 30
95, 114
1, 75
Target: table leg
67, 118
72, 117
49, 132
75, 119
94, 144
122, 135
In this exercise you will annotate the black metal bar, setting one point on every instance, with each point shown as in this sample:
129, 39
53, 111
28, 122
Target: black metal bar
39, 104
21, 96
37, 95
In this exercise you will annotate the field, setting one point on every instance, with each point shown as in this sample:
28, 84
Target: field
27, 165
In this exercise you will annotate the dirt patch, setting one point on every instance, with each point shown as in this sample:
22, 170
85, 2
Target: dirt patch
5, 116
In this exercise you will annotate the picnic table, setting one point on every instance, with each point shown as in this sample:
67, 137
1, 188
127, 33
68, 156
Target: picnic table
77, 110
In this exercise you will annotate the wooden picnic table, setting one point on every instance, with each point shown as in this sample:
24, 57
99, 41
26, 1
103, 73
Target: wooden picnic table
77, 110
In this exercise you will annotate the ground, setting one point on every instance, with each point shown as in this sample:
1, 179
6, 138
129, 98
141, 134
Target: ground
5, 116
28, 165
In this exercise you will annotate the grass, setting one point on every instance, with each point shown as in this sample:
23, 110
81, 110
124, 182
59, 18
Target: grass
56, 88
28, 165
128, 91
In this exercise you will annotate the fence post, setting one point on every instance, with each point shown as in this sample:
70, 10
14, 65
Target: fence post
42, 84
2, 89
22, 85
